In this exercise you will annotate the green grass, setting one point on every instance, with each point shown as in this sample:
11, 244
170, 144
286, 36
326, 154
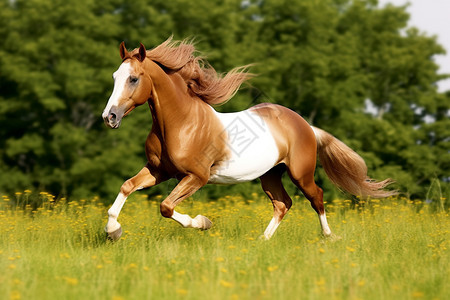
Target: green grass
390, 249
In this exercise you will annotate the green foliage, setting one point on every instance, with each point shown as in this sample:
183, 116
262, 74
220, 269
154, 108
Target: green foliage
329, 60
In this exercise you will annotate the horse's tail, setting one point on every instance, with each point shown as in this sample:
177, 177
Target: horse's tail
346, 168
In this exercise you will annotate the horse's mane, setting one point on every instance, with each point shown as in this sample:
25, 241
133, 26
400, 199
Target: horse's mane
201, 78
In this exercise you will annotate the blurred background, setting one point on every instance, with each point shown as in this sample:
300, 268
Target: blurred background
356, 68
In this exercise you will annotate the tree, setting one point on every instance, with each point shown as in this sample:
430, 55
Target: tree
329, 60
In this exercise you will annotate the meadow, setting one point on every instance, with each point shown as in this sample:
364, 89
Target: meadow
388, 249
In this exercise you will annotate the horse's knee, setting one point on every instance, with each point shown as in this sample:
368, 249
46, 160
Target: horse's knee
127, 188
166, 210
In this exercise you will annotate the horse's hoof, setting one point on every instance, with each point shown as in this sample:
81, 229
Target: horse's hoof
203, 222
115, 235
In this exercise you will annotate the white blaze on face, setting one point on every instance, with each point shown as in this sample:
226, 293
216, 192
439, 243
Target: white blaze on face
120, 79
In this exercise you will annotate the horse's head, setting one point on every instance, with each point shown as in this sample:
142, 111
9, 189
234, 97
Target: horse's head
132, 87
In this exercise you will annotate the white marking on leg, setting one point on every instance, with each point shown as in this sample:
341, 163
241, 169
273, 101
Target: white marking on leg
113, 213
270, 230
186, 221
323, 222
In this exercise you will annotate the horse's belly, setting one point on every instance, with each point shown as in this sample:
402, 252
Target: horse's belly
251, 146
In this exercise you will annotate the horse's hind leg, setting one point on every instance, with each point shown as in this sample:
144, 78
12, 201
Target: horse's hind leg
273, 187
305, 182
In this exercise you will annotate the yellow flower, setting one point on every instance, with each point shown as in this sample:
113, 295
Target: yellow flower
226, 284
320, 282
220, 259
417, 295
15, 295
182, 292
271, 269
70, 280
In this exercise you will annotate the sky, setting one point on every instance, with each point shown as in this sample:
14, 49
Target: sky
433, 18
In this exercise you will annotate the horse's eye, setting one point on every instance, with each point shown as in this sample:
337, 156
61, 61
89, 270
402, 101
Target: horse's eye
133, 80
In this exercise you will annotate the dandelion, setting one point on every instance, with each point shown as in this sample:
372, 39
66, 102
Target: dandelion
321, 250
320, 282
350, 249
64, 255
15, 295
362, 282
272, 269
70, 280
12, 267
182, 292
220, 259
180, 273
226, 284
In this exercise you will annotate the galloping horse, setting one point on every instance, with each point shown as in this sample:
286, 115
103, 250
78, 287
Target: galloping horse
192, 142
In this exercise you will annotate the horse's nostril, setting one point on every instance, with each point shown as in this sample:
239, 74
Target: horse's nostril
112, 117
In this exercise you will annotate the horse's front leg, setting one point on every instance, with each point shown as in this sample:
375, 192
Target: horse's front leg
147, 177
185, 188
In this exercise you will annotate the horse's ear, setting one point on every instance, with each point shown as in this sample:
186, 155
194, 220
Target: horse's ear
123, 51
142, 53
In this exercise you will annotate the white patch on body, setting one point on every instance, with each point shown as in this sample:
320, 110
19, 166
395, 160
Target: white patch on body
252, 147
120, 79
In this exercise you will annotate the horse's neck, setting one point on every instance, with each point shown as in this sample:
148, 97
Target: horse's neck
171, 104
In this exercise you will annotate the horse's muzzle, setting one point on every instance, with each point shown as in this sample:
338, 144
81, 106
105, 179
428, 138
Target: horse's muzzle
112, 118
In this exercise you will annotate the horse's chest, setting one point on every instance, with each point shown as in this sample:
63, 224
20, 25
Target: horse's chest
252, 148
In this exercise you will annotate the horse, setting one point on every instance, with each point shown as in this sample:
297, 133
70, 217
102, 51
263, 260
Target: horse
197, 145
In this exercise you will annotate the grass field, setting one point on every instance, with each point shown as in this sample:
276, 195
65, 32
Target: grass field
389, 249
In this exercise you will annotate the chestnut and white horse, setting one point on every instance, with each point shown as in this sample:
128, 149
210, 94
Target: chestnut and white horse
192, 142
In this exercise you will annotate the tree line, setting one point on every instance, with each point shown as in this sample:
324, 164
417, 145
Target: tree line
347, 66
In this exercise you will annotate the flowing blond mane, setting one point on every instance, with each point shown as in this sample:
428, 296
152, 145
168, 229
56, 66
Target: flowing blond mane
201, 78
